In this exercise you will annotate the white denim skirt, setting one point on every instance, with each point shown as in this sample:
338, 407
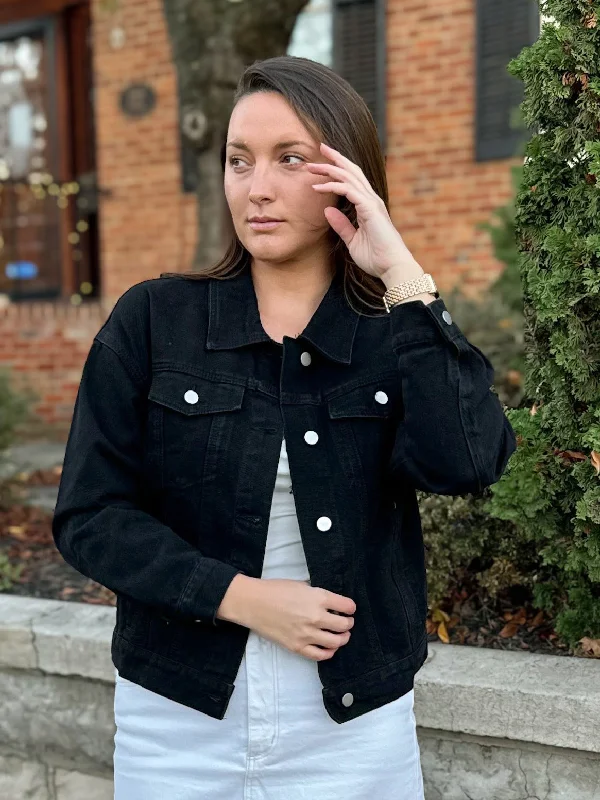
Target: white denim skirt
276, 741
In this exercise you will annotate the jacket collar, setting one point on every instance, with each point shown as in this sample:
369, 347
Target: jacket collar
234, 319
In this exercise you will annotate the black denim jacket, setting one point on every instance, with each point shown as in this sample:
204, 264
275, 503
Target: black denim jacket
171, 464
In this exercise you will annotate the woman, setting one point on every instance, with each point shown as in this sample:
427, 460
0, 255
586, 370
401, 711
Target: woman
242, 465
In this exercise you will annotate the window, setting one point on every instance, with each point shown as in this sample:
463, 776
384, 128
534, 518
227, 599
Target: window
503, 30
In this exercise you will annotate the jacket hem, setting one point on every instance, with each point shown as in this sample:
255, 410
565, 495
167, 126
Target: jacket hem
375, 688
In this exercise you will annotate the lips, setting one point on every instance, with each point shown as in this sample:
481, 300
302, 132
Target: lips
264, 224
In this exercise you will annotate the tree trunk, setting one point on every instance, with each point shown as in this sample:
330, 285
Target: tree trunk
212, 42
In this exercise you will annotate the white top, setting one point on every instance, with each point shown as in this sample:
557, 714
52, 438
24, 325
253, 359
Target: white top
284, 553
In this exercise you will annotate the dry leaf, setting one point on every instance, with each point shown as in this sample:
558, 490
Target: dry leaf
440, 616
443, 633
574, 455
509, 630
595, 459
520, 616
590, 646
18, 531
537, 620
430, 626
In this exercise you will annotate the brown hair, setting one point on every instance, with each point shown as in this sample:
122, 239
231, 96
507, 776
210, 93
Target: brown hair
337, 115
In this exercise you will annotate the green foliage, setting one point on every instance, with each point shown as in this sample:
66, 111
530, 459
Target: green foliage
464, 541
9, 573
13, 410
551, 491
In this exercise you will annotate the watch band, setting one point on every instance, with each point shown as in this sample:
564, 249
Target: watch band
403, 291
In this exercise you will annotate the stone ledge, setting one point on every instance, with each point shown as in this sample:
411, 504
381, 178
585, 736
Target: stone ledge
56, 637
528, 697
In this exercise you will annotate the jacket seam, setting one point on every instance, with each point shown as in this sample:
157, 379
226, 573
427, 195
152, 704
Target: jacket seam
464, 429
136, 376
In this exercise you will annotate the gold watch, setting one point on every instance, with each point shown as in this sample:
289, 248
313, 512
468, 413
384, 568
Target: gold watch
403, 291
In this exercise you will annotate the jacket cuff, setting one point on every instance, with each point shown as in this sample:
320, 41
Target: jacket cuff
206, 589
416, 321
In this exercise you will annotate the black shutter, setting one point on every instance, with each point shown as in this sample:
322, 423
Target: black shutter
359, 52
189, 165
504, 28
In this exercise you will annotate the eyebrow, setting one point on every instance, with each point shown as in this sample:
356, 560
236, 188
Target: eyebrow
279, 146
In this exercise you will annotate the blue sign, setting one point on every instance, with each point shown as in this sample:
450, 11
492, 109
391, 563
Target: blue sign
21, 270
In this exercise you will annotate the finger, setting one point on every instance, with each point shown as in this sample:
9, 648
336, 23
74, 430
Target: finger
340, 224
317, 654
340, 174
354, 195
338, 603
338, 158
331, 640
337, 624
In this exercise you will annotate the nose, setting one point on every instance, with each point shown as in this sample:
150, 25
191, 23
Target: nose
261, 188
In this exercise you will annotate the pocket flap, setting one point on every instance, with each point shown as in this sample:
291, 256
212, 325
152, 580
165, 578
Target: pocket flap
363, 401
191, 395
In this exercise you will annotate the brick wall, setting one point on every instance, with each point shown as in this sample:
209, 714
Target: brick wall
437, 190
44, 345
147, 225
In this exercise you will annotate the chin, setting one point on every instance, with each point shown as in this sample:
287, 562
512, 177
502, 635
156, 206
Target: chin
269, 251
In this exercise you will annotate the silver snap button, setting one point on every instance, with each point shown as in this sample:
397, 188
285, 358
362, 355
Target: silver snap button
347, 699
446, 317
311, 437
323, 523
197, 620
305, 359
381, 397
191, 396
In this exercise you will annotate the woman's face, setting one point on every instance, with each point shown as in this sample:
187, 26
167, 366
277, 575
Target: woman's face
265, 176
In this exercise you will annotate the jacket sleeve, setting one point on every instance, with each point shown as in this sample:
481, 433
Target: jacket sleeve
101, 524
454, 437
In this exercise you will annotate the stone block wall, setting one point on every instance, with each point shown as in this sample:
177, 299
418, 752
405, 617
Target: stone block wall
492, 725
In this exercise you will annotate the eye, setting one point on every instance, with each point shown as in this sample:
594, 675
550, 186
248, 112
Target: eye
232, 159
291, 155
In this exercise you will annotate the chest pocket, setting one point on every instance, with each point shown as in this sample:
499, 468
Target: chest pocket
363, 401
192, 418
362, 427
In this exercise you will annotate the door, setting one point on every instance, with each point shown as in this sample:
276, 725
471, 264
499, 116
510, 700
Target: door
48, 215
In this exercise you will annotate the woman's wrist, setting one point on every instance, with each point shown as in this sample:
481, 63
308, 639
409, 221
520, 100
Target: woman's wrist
398, 275
236, 605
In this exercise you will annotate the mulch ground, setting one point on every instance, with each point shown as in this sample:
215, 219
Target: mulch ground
31, 565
